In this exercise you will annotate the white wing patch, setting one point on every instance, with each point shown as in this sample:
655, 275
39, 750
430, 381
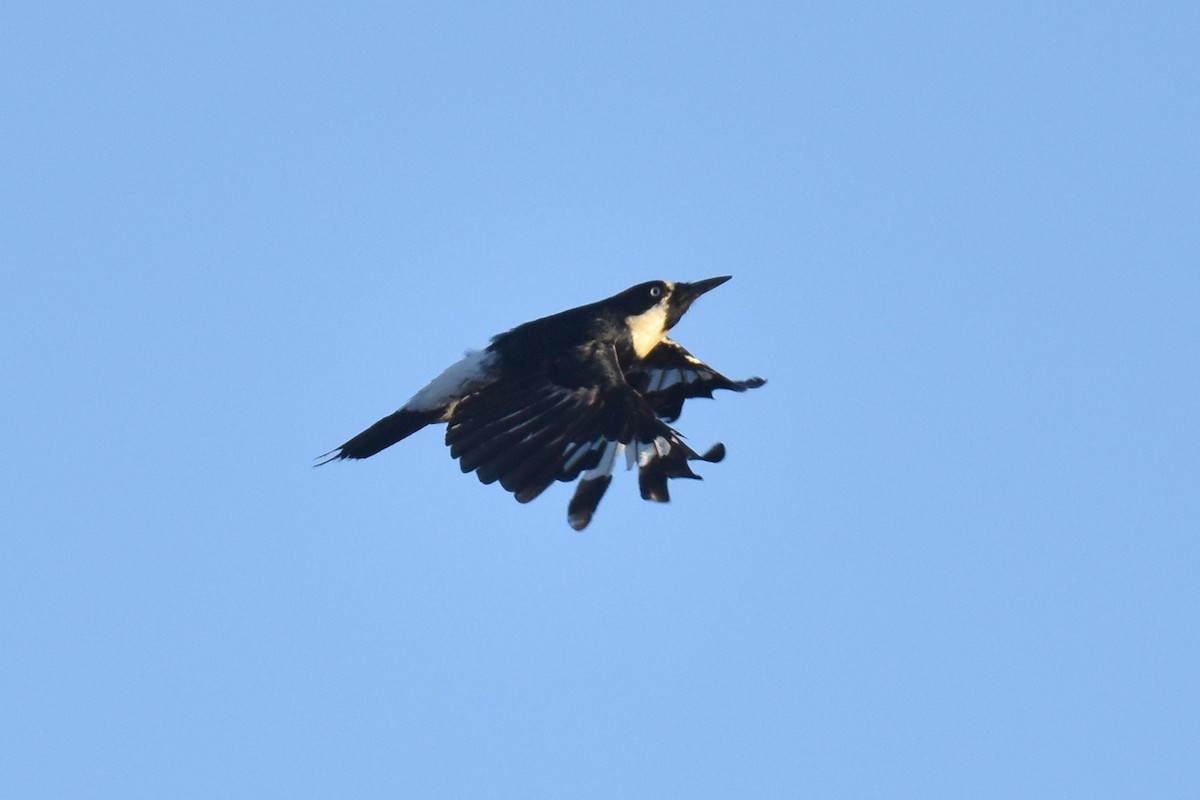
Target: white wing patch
648, 451
667, 379
612, 450
659, 380
580, 453
472, 371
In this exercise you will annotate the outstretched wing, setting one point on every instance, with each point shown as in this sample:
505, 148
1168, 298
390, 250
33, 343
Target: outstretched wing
652, 475
530, 430
669, 374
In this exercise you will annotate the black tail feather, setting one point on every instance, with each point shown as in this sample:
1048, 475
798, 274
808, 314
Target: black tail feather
383, 434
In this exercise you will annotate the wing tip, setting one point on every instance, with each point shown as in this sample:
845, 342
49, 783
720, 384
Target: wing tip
586, 499
335, 454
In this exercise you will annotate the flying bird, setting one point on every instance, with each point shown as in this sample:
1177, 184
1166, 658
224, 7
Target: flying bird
565, 395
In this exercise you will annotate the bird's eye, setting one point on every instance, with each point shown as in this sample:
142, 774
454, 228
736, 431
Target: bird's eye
655, 291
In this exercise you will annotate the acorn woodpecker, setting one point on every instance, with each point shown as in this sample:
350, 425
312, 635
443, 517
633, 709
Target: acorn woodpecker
565, 395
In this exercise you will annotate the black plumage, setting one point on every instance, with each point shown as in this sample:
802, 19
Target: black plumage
563, 396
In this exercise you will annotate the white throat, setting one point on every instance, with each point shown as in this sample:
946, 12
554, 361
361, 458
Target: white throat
648, 329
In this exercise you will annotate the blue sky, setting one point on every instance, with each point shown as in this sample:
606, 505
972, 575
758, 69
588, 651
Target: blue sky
953, 550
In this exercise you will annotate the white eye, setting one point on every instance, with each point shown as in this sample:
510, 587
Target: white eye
655, 291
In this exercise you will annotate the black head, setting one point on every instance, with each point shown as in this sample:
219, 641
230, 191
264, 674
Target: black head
651, 309
674, 299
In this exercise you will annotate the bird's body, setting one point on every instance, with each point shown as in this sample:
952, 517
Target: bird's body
563, 396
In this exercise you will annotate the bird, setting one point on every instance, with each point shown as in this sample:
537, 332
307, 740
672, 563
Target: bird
564, 396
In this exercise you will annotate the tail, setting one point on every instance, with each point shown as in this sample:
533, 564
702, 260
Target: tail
382, 434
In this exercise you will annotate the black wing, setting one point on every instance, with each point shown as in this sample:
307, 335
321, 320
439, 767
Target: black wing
529, 430
669, 374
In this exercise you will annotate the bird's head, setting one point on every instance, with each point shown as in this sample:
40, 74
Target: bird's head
653, 308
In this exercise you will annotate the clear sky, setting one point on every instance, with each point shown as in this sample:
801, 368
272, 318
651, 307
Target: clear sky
953, 551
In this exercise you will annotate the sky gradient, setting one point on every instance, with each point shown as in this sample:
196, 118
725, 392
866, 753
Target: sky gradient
952, 552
